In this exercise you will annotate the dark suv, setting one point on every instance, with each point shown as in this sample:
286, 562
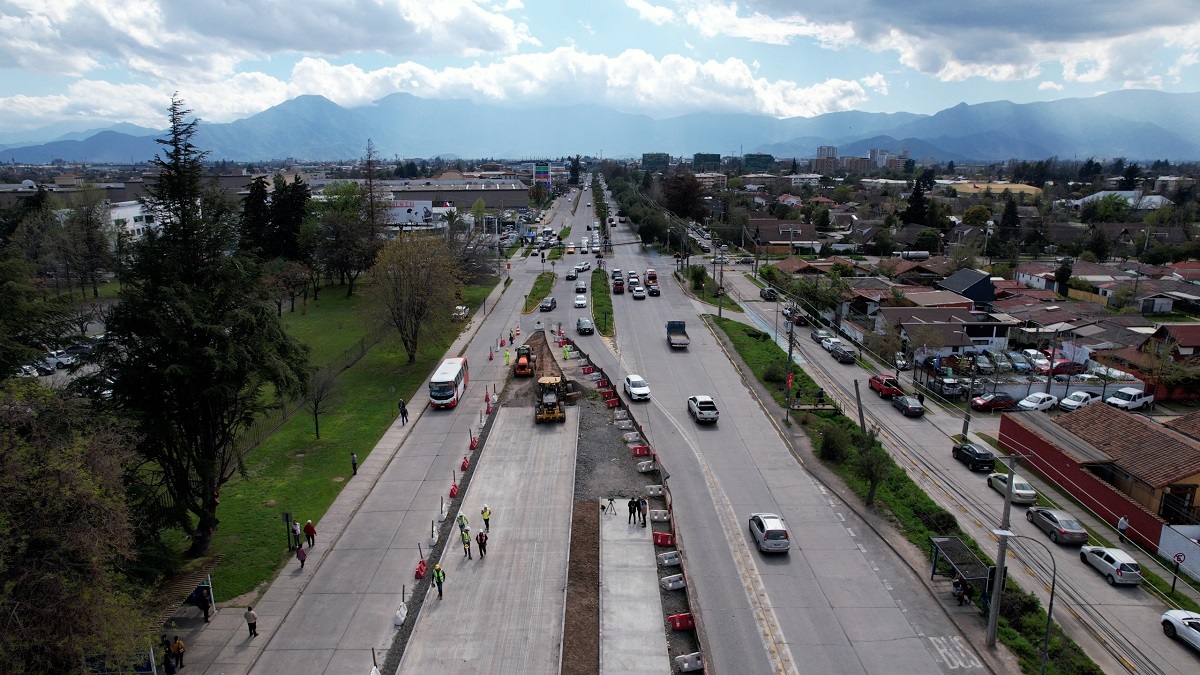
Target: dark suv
768, 293
975, 457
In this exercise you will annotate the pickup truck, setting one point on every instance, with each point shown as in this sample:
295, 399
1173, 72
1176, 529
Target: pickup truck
677, 335
1130, 398
885, 385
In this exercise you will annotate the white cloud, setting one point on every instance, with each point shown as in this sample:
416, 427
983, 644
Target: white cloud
653, 13
876, 82
1049, 85
1175, 72
722, 18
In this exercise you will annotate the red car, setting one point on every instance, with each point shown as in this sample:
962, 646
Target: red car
996, 401
885, 386
1062, 367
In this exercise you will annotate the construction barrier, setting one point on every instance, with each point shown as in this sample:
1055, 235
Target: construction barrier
474, 441
645, 467
421, 567
673, 582
669, 559
660, 516
465, 464
603, 383
683, 621
641, 450
689, 662
608, 394
588, 370
654, 490
453, 490
612, 402
664, 539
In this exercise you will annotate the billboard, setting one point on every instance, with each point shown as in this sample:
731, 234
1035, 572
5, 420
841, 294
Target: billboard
541, 174
406, 211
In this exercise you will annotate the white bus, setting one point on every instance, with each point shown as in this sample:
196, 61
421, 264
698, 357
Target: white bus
449, 383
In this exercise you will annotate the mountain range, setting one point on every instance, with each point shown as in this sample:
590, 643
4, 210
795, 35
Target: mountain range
1135, 124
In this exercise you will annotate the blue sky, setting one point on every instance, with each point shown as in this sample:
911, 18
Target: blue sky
95, 62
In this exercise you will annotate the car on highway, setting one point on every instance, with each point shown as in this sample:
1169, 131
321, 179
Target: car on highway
722, 260
616, 273
819, 335
1023, 492
583, 266
618, 286
580, 301
1117, 566
581, 286
994, 401
703, 409
843, 355
584, 326
1038, 401
570, 248
770, 533
1061, 526
830, 342
745, 261
652, 289
768, 293
639, 292
976, 457
908, 405
651, 275
548, 304
1180, 624
1079, 399
637, 388
572, 274
885, 385
901, 361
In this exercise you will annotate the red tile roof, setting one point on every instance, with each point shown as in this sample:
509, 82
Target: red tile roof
1189, 425
1148, 450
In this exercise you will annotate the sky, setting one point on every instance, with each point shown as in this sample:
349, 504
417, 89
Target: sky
91, 63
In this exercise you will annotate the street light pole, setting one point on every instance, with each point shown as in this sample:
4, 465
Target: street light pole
1001, 575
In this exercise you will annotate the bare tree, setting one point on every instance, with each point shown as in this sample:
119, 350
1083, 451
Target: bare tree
416, 279
322, 396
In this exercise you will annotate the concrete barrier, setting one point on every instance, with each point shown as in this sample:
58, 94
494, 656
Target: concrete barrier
673, 582
669, 559
632, 437
645, 467
654, 490
401, 615
688, 663
660, 515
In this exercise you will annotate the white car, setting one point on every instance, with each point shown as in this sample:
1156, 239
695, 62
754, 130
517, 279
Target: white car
770, 533
1038, 401
1023, 492
636, 388
583, 266
703, 409
830, 342
1079, 400
581, 301
1116, 565
1036, 358
1183, 625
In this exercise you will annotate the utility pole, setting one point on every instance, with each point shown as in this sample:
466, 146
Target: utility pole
862, 423
1001, 575
791, 343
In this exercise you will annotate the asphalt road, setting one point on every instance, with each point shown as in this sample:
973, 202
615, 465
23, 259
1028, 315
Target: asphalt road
842, 601
1118, 627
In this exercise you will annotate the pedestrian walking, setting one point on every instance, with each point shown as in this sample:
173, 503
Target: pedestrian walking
310, 534
920, 398
439, 577
296, 533
169, 666
481, 539
252, 621
301, 556
486, 513
463, 525
165, 643
634, 508
354, 463
1122, 526
644, 507
205, 602
403, 413
512, 338
506, 356
178, 649
466, 537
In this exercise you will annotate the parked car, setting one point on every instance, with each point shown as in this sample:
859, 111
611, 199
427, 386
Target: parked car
43, 367
983, 365
1000, 360
703, 409
652, 289
1117, 566
1023, 492
1130, 398
843, 355
975, 456
636, 388
1038, 401
584, 326
819, 335
1079, 399
25, 371
1068, 367
1036, 359
1019, 363
770, 533
830, 342
59, 358
901, 361
1062, 527
885, 386
994, 401
1182, 625
768, 293
908, 405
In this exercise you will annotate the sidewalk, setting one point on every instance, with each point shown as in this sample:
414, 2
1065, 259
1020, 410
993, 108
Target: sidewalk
632, 641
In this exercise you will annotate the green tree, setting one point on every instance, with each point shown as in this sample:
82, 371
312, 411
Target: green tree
416, 282
872, 464
347, 246
683, 195
977, 216
197, 349
576, 167
1111, 208
479, 213
67, 531
1063, 274
1010, 221
27, 321
917, 208
255, 227
291, 204
835, 444
929, 239
885, 243
1099, 243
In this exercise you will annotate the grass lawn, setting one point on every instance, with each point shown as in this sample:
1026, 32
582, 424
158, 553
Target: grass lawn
330, 325
541, 288
602, 307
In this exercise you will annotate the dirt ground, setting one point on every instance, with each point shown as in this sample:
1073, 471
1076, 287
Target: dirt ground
522, 391
581, 652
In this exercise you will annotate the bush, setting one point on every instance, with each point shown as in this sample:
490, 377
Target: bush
835, 444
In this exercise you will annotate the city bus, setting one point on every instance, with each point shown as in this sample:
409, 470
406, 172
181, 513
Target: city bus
449, 383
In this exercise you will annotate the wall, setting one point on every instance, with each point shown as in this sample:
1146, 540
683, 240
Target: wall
1084, 296
1182, 539
1104, 501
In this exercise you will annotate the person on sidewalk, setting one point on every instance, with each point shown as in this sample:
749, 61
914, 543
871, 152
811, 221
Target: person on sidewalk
301, 556
252, 621
205, 602
403, 413
1122, 527
634, 507
296, 533
177, 649
481, 539
466, 539
354, 463
439, 577
310, 534
487, 518
644, 507
463, 525
165, 643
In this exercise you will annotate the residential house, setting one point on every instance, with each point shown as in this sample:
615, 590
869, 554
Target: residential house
1186, 271
947, 330
969, 283
924, 272
783, 236
1153, 296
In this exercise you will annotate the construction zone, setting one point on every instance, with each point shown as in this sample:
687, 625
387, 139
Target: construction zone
547, 392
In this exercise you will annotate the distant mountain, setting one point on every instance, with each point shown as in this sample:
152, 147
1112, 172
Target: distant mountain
1136, 124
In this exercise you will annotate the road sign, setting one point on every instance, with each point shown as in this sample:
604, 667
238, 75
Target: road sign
789, 381
1179, 558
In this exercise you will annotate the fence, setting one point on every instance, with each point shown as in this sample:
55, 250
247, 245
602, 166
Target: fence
264, 426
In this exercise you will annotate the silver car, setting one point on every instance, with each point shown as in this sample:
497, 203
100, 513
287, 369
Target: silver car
770, 533
1062, 527
1117, 566
1023, 492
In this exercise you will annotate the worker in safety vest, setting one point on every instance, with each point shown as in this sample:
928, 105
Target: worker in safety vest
439, 575
487, 518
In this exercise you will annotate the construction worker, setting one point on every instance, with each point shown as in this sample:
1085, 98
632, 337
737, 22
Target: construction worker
487, 518
506, 355
481, 539
466, 537
463, 526
439, 575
